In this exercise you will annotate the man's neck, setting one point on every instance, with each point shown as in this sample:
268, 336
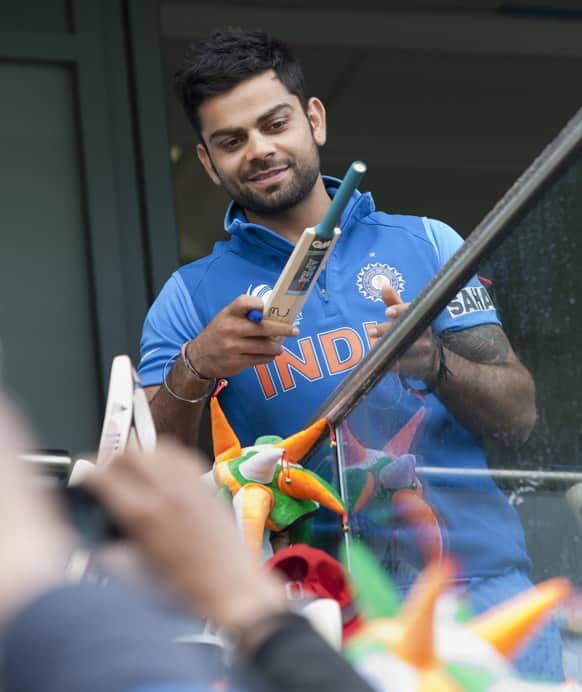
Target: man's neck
291, 223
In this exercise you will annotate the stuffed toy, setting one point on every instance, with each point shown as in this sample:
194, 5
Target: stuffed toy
382, 488
268, 487
417, 647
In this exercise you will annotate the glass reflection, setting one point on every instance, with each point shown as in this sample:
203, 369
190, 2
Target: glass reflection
424, 473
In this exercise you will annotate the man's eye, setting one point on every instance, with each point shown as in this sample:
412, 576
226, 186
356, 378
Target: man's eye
278, 124
231, 143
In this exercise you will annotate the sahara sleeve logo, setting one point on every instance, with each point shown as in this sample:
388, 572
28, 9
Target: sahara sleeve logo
470, 299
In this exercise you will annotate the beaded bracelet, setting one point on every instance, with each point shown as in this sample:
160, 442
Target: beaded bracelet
173, 394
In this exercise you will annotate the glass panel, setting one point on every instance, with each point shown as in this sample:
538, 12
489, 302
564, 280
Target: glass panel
46, 326
420, 477
34, 15
416, 479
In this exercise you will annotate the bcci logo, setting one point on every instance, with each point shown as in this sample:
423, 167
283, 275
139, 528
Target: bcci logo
374, 276
263, 291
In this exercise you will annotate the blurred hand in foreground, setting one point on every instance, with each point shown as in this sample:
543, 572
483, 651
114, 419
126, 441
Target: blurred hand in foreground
161, 503
35, 541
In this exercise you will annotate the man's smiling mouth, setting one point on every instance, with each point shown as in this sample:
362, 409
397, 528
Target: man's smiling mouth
272, 175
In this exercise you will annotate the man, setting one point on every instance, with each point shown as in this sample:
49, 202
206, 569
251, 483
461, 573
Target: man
259, 138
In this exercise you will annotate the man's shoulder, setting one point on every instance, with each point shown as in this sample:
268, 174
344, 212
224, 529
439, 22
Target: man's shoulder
197, 269
407, 224
194, 288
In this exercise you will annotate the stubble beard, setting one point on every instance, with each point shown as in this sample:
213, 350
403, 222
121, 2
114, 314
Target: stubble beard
279, 198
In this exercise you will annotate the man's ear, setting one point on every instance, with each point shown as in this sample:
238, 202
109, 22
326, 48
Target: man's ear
206, 161
316, 117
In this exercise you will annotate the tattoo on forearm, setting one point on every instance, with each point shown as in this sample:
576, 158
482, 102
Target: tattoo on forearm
484, 344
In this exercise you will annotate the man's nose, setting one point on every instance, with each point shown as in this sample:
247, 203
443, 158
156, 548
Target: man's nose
259, 146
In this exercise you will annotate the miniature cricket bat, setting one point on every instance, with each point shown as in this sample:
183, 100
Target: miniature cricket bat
128, 421
309, 256
127, 424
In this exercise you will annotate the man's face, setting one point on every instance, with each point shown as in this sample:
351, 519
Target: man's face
260, 144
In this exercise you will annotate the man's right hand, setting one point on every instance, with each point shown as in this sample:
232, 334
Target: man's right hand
231, 342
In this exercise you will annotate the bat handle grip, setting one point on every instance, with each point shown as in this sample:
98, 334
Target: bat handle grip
349, 184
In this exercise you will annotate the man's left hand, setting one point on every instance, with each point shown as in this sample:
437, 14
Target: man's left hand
421, 360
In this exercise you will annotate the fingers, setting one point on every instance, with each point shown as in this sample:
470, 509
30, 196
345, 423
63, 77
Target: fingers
232, 342
131, 476
155, 489
394, 304
390, 296
34, 538
182, 528
161, 502
233, 323
394, 309
13, 437
375, 331
254, 346
240, 308
229, 355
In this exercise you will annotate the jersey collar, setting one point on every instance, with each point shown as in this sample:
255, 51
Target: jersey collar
235, 221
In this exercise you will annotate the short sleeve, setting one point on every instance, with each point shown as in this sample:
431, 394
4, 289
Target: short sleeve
472, 305
171, 320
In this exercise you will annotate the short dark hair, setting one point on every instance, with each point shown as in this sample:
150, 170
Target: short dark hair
227, 58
